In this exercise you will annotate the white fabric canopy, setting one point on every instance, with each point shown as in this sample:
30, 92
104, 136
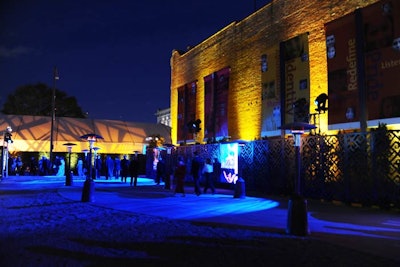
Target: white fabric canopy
32, 134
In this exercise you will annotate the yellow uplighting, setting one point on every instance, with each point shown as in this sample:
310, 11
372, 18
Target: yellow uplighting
240, 45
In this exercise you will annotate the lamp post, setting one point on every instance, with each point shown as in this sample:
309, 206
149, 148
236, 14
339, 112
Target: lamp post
297, 222
88, 186
6, 141
68, 173
53, 112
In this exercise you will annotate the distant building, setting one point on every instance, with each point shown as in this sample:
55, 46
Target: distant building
164, 116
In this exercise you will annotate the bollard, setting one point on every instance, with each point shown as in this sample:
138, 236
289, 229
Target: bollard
69, 178
297, 221
240, 189
88, 191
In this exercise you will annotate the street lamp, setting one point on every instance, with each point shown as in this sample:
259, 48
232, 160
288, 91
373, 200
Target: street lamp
6, 141
53, 112
88, 186
297, 223
68, 173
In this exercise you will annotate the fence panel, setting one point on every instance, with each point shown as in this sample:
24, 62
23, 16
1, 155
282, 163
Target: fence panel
352, 167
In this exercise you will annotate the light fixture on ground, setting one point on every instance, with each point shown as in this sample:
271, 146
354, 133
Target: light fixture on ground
68, 173
297, 222
88, 185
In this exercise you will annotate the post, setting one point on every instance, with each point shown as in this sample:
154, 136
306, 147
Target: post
6, 142
68, 173
297, 223
88, 185
297, 220
53, 113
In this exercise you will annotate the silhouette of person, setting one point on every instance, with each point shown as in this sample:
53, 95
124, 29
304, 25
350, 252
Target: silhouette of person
217, 170
195, 171
117, 168
98, 163
80, 167
160, 171
134, 170
109, 167
207, 171
124, 169
179, 175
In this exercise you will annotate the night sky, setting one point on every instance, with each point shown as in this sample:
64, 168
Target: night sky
113, 56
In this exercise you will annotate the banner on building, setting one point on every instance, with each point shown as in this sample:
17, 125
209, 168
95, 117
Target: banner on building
186, 110
216, 88
296, 82
381, 24
372, 71
342, 70
270, 95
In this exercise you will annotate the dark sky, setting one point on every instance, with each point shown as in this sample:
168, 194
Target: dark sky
113, 56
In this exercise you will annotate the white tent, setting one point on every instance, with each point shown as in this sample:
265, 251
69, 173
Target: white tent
32, 134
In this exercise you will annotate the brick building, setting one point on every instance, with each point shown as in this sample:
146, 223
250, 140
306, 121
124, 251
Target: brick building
254, 75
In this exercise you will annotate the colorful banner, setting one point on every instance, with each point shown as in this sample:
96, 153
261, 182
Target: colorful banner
297, 78
216, 104
221, 103
380, 33
382, 59
342, 70
181, 132
209, 122
270, 95
186, 110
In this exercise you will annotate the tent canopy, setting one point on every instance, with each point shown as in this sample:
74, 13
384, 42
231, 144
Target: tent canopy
33, 133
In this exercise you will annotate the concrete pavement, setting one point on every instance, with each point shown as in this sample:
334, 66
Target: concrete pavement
365, 229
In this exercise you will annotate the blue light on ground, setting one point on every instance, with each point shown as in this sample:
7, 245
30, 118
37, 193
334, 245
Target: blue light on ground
150, 199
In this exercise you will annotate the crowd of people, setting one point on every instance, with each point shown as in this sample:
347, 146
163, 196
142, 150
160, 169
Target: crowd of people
33, 167
203, 172
112, 168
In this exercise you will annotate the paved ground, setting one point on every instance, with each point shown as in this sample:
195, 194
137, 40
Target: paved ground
44, 223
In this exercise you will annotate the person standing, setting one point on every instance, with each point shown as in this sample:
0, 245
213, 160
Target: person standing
179, 175
33, 166
124, 169
19, 166
98, 163
134, 170
61, 167
79, 166
109, 167
195, 171
207, 171
216, 170
117, 168
160, 171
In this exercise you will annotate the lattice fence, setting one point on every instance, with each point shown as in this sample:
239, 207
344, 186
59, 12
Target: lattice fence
353, 168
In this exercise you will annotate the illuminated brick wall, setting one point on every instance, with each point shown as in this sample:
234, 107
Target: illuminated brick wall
240, 44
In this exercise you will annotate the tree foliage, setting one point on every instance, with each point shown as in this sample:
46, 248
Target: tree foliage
37, 100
